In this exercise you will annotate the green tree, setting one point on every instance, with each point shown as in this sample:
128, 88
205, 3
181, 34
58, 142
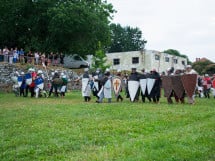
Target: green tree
84, 23
71, 26
125, 38
203, 67
100, 59
177, 53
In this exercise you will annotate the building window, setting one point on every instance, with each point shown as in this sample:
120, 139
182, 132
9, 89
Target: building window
135, 60
157, 57
166, 59
183, 62
175, 61
116, 61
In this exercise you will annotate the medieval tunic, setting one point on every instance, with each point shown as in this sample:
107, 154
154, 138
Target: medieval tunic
86, 90
144, 94
155, 92
106, 89
134, 76
191, 99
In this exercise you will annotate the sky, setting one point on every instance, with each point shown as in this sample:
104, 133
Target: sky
184, 25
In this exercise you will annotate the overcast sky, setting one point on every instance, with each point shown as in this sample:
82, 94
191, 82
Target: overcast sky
184, 25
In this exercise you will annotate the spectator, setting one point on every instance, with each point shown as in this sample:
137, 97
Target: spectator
36, 56
5, 53
10, 54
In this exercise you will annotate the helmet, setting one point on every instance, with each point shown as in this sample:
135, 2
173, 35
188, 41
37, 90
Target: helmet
39, 71
107, 70
30, 69
119, 70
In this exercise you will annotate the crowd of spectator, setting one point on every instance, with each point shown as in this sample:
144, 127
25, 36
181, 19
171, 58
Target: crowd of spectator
15, 55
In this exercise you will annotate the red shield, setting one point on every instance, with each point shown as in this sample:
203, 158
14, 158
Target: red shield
213, 83
189, 83
178, 86
167, 85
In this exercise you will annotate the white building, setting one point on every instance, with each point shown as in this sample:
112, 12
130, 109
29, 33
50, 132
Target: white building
147, 59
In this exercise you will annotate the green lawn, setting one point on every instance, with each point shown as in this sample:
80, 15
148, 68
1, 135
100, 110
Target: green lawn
69, 129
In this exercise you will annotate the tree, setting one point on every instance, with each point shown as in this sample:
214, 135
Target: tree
84, 23
100, 59
125, 38
70, 26
203, 67
177, 53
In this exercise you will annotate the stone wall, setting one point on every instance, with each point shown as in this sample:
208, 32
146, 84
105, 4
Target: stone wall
5, 76
7, 70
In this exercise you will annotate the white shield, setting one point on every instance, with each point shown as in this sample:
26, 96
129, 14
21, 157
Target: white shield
85, 87
107, 89
39, 83
28, 78
132, 88
19, 80
143, 85
150, 84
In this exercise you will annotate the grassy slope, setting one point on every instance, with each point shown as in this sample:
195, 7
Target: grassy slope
69, 129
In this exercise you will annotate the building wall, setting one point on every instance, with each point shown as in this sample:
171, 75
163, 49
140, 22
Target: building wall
148, 59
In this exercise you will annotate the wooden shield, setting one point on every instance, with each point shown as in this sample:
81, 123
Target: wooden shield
177, 86
213, 83
117, 85
167, 85
189, 83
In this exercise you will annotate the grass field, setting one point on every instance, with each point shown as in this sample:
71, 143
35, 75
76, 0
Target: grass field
69, 129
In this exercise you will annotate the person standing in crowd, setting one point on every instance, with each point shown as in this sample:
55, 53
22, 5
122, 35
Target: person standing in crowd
61, 59
119, 74
15, 55
50, 59
36, 57
207, 86
85, 88
37, 87
64, 85
179, 72
55, 83
106, 89
97, 77
134, 76
189, 70
125, 82
23, 85
5, 53
213, 84
200, 86
10, 54
43, 58
156, 90
26, 59
55, 57
170, 72
32, 85
21, 56
144, 75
